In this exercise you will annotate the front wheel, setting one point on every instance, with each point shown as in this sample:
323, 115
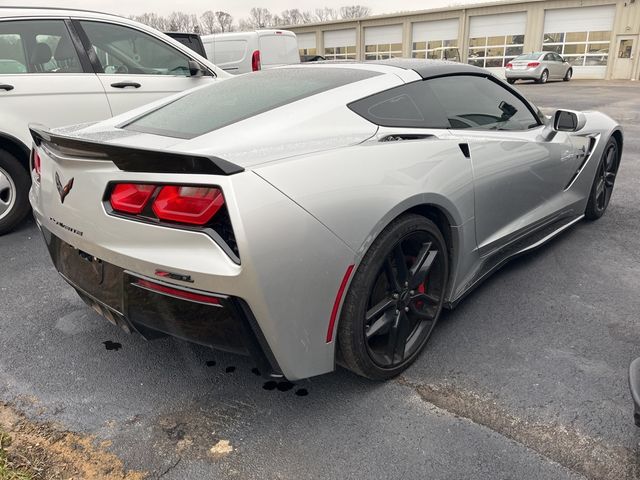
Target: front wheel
511, 81
603, 183
14, 192
395, 299
568, 75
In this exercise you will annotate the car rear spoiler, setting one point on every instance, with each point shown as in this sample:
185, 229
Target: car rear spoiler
131, 159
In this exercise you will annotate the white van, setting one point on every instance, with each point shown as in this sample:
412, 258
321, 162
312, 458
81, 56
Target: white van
244, 52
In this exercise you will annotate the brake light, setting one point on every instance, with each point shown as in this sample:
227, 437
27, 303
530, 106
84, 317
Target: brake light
255, 61
184, 204
509, 65
533, 64
130, 197
176, 292
37, 163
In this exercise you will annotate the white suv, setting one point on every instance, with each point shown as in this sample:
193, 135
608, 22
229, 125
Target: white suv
62, 66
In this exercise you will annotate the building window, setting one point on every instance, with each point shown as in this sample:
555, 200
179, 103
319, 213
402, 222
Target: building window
437, 50
340, 53
580, 48
382, 51
497, 51
307, 51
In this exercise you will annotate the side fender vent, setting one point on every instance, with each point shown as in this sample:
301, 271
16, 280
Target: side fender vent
465, 149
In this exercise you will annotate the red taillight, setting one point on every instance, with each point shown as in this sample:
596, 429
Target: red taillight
509, 65
131, 197
37, 164
176, 292
533, 64
192, 205
255, 61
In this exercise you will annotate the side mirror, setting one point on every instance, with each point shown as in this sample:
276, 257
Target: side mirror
195, 70
568, 121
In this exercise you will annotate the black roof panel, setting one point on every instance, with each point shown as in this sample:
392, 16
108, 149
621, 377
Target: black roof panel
431, 68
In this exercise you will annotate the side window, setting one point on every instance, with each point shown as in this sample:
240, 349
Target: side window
37, 46
412, 105
549, 57
124, 50
479, 103
558, 58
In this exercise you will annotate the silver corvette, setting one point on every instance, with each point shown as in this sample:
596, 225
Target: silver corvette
314, 214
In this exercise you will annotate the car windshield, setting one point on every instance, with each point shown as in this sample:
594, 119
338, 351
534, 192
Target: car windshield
229, 101
528, 56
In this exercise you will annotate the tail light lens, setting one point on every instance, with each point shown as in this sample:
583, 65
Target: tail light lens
131, 197
191, 205
255, 61
36, 162
533, 64
509, 65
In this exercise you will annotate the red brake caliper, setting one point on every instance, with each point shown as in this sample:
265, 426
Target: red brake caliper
421, 289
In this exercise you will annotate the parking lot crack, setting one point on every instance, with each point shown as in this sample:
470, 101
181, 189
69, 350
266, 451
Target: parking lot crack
562, 444
170, 467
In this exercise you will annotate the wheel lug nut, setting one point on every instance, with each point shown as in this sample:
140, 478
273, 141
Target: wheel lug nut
406, 309
397, 311
395, 295
412, 292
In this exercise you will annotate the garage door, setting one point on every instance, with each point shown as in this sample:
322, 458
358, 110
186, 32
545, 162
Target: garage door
437, 39
582, 36
340, 44
307, 43
494, 40
383, 42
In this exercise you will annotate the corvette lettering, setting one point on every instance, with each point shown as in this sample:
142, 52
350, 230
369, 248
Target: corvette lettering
66, 227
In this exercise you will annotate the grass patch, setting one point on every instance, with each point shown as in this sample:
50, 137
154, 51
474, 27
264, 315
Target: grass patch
10, 469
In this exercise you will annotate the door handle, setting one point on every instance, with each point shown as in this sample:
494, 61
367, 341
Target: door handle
6, 87
126, 84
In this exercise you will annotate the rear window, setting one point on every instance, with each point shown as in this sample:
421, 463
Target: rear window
528, 56
279, 50
235, 99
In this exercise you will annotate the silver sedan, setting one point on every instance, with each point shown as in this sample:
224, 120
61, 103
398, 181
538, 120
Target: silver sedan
538, 66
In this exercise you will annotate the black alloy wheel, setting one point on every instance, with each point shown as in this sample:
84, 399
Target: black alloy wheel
395, 299
604, 181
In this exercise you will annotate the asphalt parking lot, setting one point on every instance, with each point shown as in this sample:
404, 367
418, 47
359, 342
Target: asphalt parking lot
526, 379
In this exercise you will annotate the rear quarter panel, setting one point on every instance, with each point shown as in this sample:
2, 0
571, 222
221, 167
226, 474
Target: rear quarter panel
357, 191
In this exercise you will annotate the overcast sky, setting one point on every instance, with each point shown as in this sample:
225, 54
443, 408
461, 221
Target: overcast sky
237, 8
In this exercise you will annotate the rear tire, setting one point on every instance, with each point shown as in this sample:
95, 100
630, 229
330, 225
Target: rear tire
394, 300
568, 75
544, 76
511, 81
14, 192
604, 181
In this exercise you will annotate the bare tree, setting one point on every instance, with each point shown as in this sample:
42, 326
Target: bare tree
224, 21
294, 17
354, 11
153, 20
209, 22
324, 14
183, 22
259, 18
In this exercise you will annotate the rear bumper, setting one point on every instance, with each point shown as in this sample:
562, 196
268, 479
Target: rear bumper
634, 385
219, 321
528, 74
